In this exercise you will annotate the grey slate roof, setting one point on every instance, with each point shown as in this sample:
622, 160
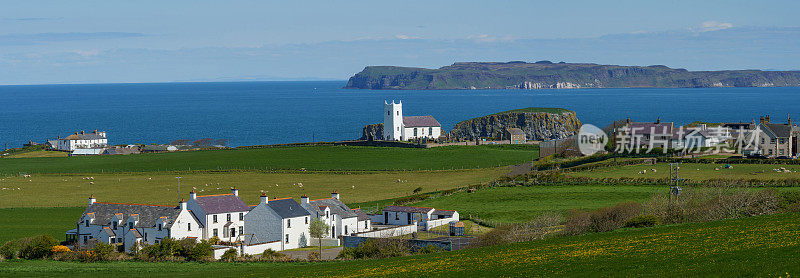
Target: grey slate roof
336, 206
407, 209
287, 208
147, 214
444, 212
213, 204
85, 136
361, 215
780, 130
420, 121
516, 131
650, 128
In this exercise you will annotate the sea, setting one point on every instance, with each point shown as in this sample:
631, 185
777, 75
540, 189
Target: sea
262, 113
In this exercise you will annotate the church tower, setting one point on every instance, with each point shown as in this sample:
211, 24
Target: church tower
393, 120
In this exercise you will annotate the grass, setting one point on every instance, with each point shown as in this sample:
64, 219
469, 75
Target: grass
38, 153
756, 246
69, 190
690, 171
520, 204
535, 110
325, 158
24, 222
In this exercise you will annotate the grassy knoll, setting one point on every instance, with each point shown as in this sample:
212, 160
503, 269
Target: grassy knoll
68, 190
309, 157
24, 222
694, 171
756, 246
38, 153
520, 204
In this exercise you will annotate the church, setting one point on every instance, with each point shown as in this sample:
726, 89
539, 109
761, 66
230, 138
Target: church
398, 127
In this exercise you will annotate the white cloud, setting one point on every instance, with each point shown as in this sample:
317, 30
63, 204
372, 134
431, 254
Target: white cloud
406, 37
714, 25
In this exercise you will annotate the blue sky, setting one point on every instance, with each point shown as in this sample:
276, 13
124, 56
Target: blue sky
164, 41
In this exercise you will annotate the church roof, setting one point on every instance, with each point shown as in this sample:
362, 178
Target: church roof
420, 121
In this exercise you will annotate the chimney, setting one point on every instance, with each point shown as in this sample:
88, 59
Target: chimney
192, 195
182, 204
95, 131
92, 199
789, 118
766, 119
82, 132
235, 191
658, 120
264, 199
335, 195
304, 199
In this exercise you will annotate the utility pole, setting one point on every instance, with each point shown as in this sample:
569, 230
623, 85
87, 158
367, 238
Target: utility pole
614, 140
179, 187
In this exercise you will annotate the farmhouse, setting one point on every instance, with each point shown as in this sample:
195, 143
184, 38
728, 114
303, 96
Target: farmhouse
124, 225
398, 127
277, 220
340, 218
515, 135
423, 216
775, 139
221, 215
81, 140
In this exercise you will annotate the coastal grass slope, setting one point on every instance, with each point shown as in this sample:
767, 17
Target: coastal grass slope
755, 246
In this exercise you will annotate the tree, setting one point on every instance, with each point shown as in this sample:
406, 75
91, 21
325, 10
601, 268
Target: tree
317, 228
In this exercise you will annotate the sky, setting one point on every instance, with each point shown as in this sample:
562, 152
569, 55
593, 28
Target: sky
44, 42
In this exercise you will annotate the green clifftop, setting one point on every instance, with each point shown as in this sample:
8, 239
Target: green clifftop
537, 123
547, 75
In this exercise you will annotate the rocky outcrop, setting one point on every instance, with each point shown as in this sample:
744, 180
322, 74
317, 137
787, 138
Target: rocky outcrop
374, 131
548, 75
537, 125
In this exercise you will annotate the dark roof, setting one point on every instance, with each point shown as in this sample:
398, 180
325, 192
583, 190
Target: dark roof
112, 151
287, 208
85, 136
109, 231
444, 212
147, 214
136, 233
213, 204
650, 128
361, 215
780, 130
407, 209
420, 121
336, 206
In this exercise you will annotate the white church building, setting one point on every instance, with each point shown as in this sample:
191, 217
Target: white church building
400, 128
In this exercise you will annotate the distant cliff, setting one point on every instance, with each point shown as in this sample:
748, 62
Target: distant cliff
548, 75
537, 123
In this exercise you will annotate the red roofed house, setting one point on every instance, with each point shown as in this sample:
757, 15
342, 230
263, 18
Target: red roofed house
397, 127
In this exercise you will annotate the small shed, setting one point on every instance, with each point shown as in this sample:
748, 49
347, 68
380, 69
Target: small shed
456, 228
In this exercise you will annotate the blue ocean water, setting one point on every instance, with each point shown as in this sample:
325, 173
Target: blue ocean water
254, 113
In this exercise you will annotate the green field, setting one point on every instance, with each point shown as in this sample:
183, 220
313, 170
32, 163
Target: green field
755, 246
520, 204
695, 171
24, 222
68, 190
324, 158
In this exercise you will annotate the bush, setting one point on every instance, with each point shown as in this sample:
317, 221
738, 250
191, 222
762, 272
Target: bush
101, 252
313, 256
608, 219
431, 248
641, 221
376, 248
271, 255
577, 223
9, 250
200, 251
230, 255
37, 247
709, 204
60, 249
538, 228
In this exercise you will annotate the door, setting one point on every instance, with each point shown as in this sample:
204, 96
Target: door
409, 218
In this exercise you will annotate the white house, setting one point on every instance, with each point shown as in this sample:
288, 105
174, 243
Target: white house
81, 140
282, 220
221, 215
423, 216
123, 225
364, 221
340, 218
398, 127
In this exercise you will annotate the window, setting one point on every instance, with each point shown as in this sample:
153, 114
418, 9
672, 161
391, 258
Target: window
189, 226
233, 232
215, 219
327, 215
762, 140
287, 238
145, 236
216, 232
388, 113
130, 225
241, 230
365, 225
772, 140
385, 217
241, 216
229, 217
396, 216
288, 223
306, 219
345, 230
115, 225
430, 132
398, 113
398, 128
159, 227
415, 131
87, 223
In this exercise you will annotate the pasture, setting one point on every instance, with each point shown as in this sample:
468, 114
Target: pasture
694, 171
320, 158
755, 246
